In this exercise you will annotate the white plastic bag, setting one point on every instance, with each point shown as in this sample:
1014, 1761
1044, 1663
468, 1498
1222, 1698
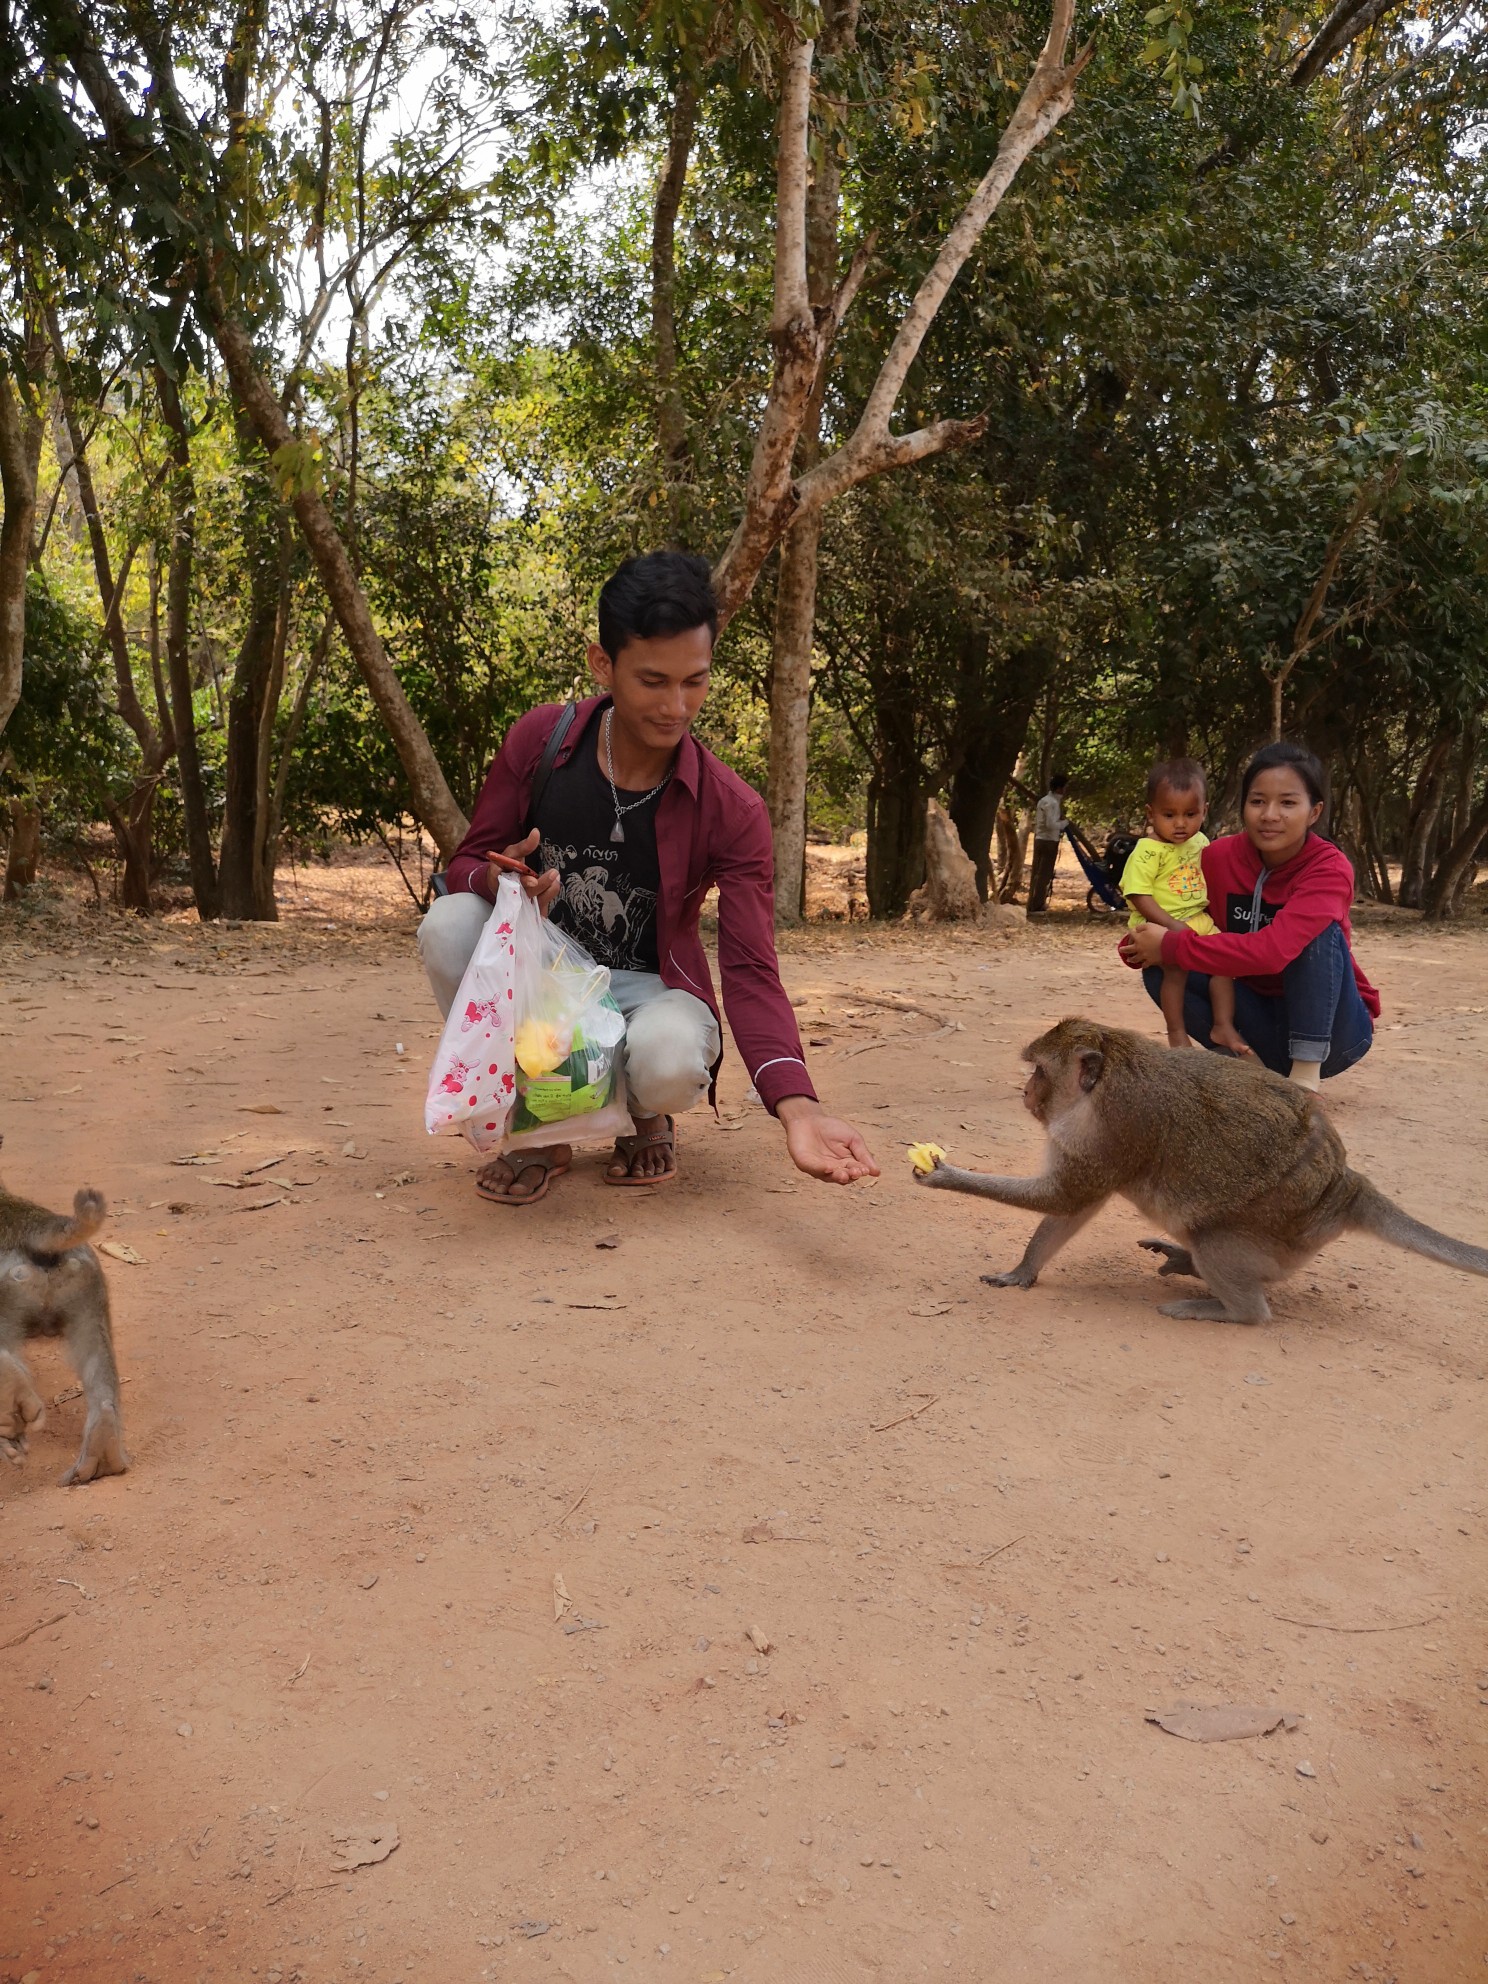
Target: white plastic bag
532, 1051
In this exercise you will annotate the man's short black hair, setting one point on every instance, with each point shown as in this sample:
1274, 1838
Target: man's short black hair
1059, 781
660, 593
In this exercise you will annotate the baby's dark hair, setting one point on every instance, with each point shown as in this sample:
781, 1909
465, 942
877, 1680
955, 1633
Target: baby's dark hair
1183, 774
1285, 756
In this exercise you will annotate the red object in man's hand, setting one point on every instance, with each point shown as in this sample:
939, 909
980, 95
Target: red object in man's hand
540, 889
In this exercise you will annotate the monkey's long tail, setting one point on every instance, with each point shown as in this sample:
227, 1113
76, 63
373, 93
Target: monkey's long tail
47, 1243
1374, 1213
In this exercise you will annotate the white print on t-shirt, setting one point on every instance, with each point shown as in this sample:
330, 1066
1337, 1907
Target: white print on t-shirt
607, 923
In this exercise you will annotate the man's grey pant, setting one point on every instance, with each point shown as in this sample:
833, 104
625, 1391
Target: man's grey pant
671, 1038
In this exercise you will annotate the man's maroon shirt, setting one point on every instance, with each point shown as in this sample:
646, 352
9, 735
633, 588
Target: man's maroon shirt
711, 828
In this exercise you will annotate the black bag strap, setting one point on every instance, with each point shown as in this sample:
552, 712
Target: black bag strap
548, 759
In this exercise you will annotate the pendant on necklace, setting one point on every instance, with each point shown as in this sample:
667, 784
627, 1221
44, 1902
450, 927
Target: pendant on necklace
617, 832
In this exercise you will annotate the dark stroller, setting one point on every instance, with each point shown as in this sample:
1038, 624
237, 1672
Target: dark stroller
1102, 871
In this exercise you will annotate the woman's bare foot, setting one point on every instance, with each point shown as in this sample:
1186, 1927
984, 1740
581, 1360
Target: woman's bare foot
1179, 1040
522, 1177
647, 1158
1232, 1040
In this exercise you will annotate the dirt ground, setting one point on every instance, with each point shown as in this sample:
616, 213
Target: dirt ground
978, 1534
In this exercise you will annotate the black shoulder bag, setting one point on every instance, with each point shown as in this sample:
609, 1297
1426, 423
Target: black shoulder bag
439, 884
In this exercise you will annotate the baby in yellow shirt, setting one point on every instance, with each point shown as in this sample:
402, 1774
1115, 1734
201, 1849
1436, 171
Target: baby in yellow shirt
1163, 882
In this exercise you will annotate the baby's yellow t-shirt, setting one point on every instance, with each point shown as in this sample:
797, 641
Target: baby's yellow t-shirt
1169, 872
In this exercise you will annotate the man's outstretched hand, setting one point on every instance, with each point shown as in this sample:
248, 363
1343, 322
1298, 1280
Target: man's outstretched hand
823, 1146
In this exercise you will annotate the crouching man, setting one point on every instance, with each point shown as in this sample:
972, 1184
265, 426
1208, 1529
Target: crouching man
627, 822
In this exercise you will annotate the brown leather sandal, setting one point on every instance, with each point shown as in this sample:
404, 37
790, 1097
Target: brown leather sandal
522, 1161
628, 1148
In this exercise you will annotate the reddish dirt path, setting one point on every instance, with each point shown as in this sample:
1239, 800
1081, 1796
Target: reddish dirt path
370, 1424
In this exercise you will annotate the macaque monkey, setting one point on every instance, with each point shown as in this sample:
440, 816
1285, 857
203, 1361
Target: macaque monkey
52, 1285
1242, 1168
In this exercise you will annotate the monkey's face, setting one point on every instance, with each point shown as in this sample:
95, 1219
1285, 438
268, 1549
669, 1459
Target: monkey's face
1036, 1092
1066, 1064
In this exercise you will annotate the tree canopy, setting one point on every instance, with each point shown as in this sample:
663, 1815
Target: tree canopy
1044, 385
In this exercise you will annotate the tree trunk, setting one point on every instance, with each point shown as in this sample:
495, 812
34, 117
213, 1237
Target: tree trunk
291, 738
671, 415
949, 892
974, 803
1375, 864
237, 866
178, 649
795, 598
774, 500
992, 719
266, 910
896, 825
1048, 736
133, 821
1426, 803
25, 846
134, 828
432, 801
1449, 884
790, 715
20, 450
1009, 855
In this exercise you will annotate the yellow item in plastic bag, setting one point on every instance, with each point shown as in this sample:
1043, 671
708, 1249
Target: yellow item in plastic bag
539, 1047
925, 1157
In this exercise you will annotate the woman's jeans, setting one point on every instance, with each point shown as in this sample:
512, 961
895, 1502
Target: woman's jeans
1318, 1015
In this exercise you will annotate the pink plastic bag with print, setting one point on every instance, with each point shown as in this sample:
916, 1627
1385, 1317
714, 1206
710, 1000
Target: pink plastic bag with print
521, 969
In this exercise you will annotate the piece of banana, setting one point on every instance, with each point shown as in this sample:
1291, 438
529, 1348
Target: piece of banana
925, 1157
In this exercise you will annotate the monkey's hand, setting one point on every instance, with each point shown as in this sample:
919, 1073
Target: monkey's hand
21, 1410
1178, 1261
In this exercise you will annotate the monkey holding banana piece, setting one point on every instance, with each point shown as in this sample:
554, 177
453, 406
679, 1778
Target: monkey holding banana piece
51, 1284
1241, 1167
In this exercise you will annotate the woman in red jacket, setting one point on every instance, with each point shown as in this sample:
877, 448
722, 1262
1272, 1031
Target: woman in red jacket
1281, 897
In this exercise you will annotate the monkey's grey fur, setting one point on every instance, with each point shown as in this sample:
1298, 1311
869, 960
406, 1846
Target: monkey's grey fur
1243, 1168
51, 1284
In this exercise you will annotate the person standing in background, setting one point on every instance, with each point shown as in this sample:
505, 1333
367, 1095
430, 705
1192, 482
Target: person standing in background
1049, 824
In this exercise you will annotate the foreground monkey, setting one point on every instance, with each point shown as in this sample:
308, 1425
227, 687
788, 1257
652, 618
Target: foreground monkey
52, 1285
1243, 1168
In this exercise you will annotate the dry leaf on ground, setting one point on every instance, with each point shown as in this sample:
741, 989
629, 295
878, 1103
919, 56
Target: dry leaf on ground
561, 1600
759, 1639
363, 1847
1224, 1723
117, 1251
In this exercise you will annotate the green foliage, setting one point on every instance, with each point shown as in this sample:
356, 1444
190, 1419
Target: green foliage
63, 745
1202, 330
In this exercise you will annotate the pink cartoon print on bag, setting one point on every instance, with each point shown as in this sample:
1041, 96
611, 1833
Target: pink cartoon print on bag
471, 1083
455, 1075
527, 981
479, 1010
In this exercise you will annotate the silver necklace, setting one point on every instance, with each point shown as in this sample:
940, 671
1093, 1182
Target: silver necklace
617, 832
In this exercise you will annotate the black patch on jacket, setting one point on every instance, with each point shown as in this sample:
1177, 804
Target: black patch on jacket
1237, 913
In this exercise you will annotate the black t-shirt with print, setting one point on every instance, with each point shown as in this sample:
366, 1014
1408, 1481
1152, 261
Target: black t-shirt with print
607, 889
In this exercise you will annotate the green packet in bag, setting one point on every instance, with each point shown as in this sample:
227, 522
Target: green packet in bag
579, 1085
